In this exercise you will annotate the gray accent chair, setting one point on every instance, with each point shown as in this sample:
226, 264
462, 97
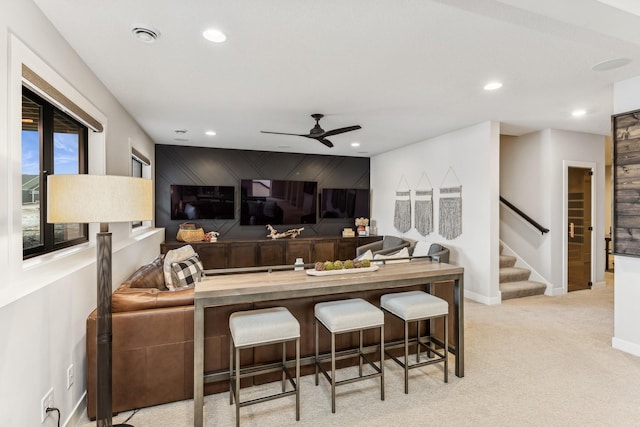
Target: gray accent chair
388, 245
439, 253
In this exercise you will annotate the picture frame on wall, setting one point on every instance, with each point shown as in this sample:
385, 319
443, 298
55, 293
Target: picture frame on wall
626, 183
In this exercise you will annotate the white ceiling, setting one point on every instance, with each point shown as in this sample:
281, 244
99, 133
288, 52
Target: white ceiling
405, 70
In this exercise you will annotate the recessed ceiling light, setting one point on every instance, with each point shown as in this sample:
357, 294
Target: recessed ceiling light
611, 64
145, 35
492, 86
214, 35
210, 133
578, 113
355, 144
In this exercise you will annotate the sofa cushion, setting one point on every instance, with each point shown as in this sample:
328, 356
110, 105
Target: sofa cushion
186, 273
175, 255
147, 276
421, 248
402, 253
367, 255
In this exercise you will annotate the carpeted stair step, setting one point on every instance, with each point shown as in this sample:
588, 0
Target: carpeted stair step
507, 261
514, 274
525, 288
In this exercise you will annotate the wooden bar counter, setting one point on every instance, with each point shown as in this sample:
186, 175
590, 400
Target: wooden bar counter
258, 287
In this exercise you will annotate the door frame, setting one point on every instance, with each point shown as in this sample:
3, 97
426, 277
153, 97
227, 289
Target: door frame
566, 164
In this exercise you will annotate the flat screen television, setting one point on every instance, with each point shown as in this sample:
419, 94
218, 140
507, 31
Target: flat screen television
277, 202
202, 202
344, 203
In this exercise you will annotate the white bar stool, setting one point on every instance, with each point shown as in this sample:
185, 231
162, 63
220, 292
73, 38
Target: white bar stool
416, 306
339, 317
255, 328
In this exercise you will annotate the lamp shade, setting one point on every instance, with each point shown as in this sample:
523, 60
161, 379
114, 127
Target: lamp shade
98, 198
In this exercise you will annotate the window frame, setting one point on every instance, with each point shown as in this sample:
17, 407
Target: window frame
139, 164
46, 144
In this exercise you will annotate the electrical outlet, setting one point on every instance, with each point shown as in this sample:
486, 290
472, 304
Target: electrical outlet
69, 376
46, 402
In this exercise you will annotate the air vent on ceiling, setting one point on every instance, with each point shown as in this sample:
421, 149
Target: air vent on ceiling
146, 35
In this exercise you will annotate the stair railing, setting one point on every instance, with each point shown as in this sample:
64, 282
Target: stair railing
524, 216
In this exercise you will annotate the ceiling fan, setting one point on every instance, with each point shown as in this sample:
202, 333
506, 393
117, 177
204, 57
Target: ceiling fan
318, 133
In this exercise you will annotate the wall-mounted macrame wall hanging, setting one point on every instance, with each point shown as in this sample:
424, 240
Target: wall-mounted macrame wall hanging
402, 211
423, 206
450, 218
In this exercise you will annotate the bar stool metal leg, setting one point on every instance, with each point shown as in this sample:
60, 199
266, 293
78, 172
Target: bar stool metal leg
237, 388
298, 379
360, 348
446, 348
406, 356
315, 346
382, 362
231, 394
333, 373
284, 359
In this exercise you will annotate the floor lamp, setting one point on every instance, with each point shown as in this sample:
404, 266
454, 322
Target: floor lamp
100, 199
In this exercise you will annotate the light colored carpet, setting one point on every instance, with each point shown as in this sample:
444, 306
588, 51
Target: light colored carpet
536, 361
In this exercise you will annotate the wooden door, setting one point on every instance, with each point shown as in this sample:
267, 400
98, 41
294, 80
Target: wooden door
579, 229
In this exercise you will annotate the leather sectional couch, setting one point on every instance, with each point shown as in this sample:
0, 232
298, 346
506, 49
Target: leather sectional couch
152, 351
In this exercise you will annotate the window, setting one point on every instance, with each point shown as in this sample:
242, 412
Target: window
141, 168
136, 170
52, 142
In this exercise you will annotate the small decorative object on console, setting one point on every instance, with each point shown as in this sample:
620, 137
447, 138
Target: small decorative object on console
362, 224
190, 232
348, 232
341, 267
211, 236
293, 233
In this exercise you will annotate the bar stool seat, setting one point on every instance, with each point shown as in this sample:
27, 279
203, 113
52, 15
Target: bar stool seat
415, 306
338, 317
255, 328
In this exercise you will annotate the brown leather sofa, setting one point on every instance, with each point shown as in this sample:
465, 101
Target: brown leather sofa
152, 351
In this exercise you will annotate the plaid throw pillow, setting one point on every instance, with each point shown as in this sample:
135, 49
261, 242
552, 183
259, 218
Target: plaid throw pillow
185, 273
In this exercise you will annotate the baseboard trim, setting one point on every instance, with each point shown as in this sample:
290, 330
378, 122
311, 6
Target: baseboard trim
599, 285
76, 414
482, 299
626, 346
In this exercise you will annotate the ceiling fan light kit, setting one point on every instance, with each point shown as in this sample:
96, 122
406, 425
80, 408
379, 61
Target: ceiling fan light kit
318, 133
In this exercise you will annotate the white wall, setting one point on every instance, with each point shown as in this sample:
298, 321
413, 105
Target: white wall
44, 302
626, 334
473, 154
524, 182
532, 177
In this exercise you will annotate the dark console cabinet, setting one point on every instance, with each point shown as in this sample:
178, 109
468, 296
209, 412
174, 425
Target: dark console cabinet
234, 253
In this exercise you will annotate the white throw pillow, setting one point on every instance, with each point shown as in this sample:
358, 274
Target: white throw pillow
421, 248
403, 253
367, 255
175, 255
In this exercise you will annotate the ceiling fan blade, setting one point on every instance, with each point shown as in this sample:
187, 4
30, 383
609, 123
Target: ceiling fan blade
282, 133
341, 130
325, 142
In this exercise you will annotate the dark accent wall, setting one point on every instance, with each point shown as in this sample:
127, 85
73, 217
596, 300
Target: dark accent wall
217, 166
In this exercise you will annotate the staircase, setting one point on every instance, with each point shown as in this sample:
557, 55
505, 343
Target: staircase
514, 281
